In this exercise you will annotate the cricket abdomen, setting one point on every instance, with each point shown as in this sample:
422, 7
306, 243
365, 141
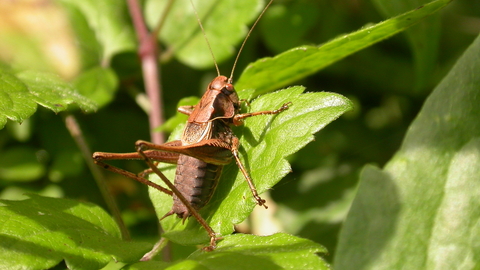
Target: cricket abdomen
197, 181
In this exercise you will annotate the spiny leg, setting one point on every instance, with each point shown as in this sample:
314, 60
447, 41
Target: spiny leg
193, 212
238, 119
260, 201
130, 175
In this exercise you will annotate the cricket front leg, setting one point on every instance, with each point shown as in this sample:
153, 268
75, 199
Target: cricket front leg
235, 144
186, 109
238, 118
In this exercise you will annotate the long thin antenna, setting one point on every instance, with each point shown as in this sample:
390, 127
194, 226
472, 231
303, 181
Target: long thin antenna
245, 40
206, 39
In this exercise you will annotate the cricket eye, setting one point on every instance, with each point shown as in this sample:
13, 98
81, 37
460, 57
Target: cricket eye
229, 87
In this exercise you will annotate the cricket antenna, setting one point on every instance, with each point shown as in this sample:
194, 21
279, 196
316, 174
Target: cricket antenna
206, 39
230, 79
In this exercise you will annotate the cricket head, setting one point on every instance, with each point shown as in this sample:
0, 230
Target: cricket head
226, 103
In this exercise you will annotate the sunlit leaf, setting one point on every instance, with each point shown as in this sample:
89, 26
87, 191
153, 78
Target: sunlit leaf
425, 201
40, 232
109, 24
20, 95
278, 251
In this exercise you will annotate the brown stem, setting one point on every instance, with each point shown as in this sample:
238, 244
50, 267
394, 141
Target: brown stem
148, 52
76, 132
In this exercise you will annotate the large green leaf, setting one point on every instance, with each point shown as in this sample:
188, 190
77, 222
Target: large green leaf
273, 73
278, 251
265, 143
109, 24
224, 23
20, 95
421, 211
423, 38
40, 232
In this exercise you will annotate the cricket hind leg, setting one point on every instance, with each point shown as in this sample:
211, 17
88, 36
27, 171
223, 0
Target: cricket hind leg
156, 155
98, 158
130, 175
141, 145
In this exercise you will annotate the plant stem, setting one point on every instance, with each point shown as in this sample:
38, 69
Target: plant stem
76, 132
148, 52
155, 250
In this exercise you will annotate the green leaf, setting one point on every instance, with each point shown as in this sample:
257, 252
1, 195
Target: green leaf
20, 94
224, 28
425, 201
89, 48
53, 93
110, 25
98, 84
15, 100
424, 37
240, 251
265, 143
40, 232
284, 69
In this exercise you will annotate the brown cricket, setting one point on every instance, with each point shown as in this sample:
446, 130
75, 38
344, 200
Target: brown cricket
206, 145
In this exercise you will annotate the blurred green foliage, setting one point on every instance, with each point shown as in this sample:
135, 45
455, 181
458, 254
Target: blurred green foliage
388, 84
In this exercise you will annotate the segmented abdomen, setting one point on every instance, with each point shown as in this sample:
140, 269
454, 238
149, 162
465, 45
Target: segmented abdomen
197, 181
